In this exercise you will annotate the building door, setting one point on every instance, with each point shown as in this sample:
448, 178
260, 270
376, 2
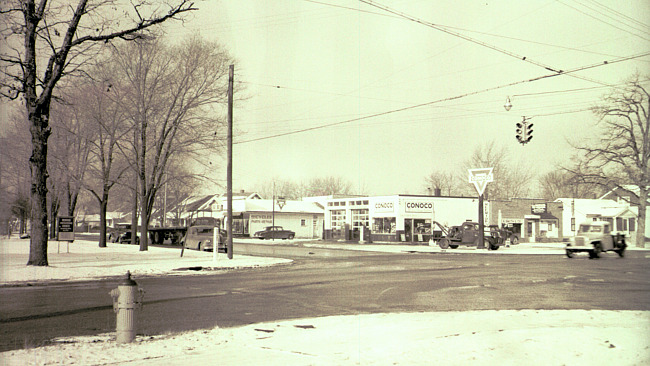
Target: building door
408, 229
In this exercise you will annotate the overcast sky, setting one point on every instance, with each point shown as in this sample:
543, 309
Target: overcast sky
307, 64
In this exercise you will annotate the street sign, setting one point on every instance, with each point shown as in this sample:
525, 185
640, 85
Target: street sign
65, 228
480, 177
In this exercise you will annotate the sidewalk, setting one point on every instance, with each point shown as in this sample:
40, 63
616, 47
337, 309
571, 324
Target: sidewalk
507, 337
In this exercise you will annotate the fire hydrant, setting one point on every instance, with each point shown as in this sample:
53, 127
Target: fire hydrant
126, 299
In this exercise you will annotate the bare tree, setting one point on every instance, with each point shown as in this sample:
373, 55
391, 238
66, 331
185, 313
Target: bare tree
327, 185
14, 176
173, 105
561, 183
511, 179
445, 181
58, 39
620, 156
278, 187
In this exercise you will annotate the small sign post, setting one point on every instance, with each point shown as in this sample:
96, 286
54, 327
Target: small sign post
481, 177
65, 230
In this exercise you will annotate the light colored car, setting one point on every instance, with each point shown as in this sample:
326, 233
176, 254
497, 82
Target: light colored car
200, 237
594, 238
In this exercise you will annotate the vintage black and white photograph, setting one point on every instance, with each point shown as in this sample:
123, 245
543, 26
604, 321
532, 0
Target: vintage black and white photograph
324, 182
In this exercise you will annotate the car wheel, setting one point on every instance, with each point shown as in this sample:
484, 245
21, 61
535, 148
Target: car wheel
621, 252
444, 243
291, 236
514, 240
569, 253
453, 246
493, 246
595, 253
200, 247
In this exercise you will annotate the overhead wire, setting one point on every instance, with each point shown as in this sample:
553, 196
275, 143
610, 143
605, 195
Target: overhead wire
374, 115
603, 21
475, 41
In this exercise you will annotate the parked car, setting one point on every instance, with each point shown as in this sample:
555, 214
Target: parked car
116, 232
125, 238
200, 237
274, 232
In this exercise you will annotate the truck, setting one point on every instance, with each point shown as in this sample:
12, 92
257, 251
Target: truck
468, 234
175, 235
596, 237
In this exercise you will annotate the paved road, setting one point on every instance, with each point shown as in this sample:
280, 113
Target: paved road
332, 282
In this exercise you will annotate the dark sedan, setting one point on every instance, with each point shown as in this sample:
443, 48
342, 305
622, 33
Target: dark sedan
275, 232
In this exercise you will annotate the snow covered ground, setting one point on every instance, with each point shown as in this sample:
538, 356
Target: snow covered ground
508, 337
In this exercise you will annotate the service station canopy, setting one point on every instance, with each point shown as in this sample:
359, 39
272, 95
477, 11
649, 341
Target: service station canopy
480, 177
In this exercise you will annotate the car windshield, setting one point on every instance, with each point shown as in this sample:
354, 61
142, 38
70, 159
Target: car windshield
204, 230
590, 229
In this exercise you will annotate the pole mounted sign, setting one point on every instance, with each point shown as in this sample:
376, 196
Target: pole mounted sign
480, 177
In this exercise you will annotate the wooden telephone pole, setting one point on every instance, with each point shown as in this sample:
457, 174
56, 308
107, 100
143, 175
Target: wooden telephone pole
231, 78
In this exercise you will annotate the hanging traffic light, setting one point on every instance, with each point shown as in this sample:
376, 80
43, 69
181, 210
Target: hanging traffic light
521, 132
529, 133
524, 131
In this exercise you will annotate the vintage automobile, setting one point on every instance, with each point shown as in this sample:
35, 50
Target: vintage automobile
275, 232
594, 238
468, 234
200, 237
121, 233
115, 232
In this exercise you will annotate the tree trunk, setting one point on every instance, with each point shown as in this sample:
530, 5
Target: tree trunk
54, 212
103, 204
38, 116
134, 216
640, 227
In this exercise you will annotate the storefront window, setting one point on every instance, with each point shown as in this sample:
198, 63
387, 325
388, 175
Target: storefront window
359, 218
384, 225
422, 226
338, 219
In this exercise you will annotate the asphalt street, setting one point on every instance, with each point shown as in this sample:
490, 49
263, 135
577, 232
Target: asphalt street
324, 282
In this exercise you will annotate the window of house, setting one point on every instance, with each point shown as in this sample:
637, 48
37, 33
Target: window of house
573, 224
303, 222
632, 224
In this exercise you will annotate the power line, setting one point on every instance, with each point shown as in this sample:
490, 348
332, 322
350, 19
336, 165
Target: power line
602, 21
480, 43
440, 100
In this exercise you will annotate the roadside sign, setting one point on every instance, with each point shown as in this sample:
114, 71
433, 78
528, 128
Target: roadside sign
65, 228
480, 177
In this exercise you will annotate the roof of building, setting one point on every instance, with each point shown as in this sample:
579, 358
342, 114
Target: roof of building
288, 207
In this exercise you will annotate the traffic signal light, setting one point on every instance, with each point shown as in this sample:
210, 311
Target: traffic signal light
524, 131
520, 131
529, 133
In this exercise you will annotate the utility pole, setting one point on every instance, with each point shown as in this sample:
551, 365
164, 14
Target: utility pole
231, 77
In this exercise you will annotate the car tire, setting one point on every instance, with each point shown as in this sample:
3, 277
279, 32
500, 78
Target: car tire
291, 236
569, 253
621, 252
443, 243
514, 240
453, 246
595, 253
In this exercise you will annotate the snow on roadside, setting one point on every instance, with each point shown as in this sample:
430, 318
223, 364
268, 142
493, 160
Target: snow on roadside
507, 337
84, 260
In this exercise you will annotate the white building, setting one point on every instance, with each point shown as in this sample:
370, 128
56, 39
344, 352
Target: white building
397, 217
580, 210
251, 215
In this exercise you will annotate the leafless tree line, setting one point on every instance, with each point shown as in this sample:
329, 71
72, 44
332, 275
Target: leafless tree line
108, 113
